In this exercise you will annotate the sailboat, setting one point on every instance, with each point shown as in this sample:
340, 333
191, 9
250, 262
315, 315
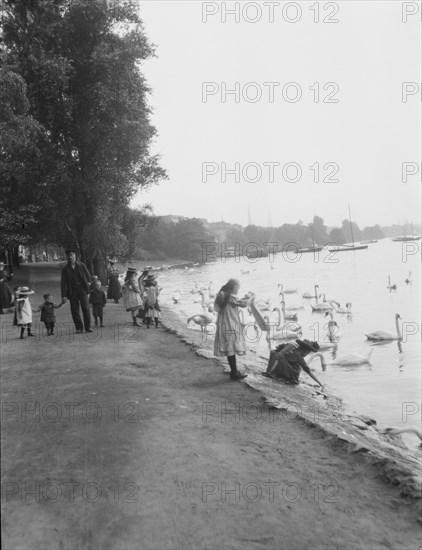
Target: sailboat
406, 238
346, 247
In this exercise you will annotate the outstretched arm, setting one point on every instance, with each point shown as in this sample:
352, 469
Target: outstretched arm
314, 378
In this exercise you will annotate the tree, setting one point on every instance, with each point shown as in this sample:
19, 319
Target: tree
80, 61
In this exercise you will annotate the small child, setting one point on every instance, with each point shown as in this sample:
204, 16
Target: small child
48, 316
131, 294
23, 310
94, 279
152, 307
98, 299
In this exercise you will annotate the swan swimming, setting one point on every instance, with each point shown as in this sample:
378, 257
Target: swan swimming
380, 335
310, 295
346, 360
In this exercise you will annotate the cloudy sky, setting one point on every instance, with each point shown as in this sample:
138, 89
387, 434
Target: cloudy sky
313, 85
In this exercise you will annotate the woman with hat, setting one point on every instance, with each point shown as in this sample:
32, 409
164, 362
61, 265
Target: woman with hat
287, 361
113, 291
24, 311
131, 294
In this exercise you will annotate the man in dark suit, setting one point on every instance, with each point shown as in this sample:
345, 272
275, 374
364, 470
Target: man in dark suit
75, 286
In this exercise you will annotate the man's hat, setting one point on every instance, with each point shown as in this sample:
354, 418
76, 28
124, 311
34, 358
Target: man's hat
25, 290
307, 344
132, 270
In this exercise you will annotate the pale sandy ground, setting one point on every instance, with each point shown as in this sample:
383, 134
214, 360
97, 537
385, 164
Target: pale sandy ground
155, 463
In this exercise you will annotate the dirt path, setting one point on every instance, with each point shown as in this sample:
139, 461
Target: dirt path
162, 450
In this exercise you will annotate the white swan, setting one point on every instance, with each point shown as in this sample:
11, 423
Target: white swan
322, 306
263, 305
289, 308
380, 335
349, 359
203, 319
347, 309
294, 327
286, 290
334, 333
287, 316
283, 334
310, 295
176, 296
390, 286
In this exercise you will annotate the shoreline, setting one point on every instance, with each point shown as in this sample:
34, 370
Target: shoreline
194, 440
357, 432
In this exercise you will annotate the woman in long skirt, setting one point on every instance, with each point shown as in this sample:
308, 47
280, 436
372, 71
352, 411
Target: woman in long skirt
229, 338
113, 291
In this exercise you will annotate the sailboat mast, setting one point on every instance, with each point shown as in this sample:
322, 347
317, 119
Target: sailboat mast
351, 229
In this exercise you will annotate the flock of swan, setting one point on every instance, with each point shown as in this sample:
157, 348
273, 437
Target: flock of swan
284, 326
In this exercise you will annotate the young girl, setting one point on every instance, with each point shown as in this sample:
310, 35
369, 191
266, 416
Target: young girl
287, 361
131, 294
229, 338
24, 311
152, 307
48, 316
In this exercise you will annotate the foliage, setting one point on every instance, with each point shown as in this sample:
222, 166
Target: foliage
79, 64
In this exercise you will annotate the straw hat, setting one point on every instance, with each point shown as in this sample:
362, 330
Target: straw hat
25, 291
132, 270
307, 344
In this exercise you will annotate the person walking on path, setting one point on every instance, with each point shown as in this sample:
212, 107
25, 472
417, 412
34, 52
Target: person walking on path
113, 291
6, 296
75, 287
152, 307
24, 311
132, 295
229, 338
48, 317
287, 361
98, 299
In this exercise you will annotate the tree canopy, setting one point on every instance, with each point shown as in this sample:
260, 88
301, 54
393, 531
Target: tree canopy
76, 121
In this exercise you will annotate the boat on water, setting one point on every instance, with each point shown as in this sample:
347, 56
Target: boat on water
369, 242
313, 248
405, 237
348, 247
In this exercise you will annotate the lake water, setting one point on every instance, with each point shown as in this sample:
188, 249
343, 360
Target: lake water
385, 389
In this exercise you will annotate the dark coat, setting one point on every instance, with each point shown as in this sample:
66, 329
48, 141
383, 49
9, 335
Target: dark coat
66, 278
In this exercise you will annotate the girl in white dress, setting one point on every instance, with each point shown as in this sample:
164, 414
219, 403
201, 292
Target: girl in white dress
24, 311
131, 294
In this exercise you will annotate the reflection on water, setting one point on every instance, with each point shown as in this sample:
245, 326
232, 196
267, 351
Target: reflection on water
381, 389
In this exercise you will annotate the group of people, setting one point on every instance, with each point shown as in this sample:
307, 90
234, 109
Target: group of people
140, 297
285, 362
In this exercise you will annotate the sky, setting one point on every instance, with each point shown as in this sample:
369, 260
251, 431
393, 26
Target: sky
314, 85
